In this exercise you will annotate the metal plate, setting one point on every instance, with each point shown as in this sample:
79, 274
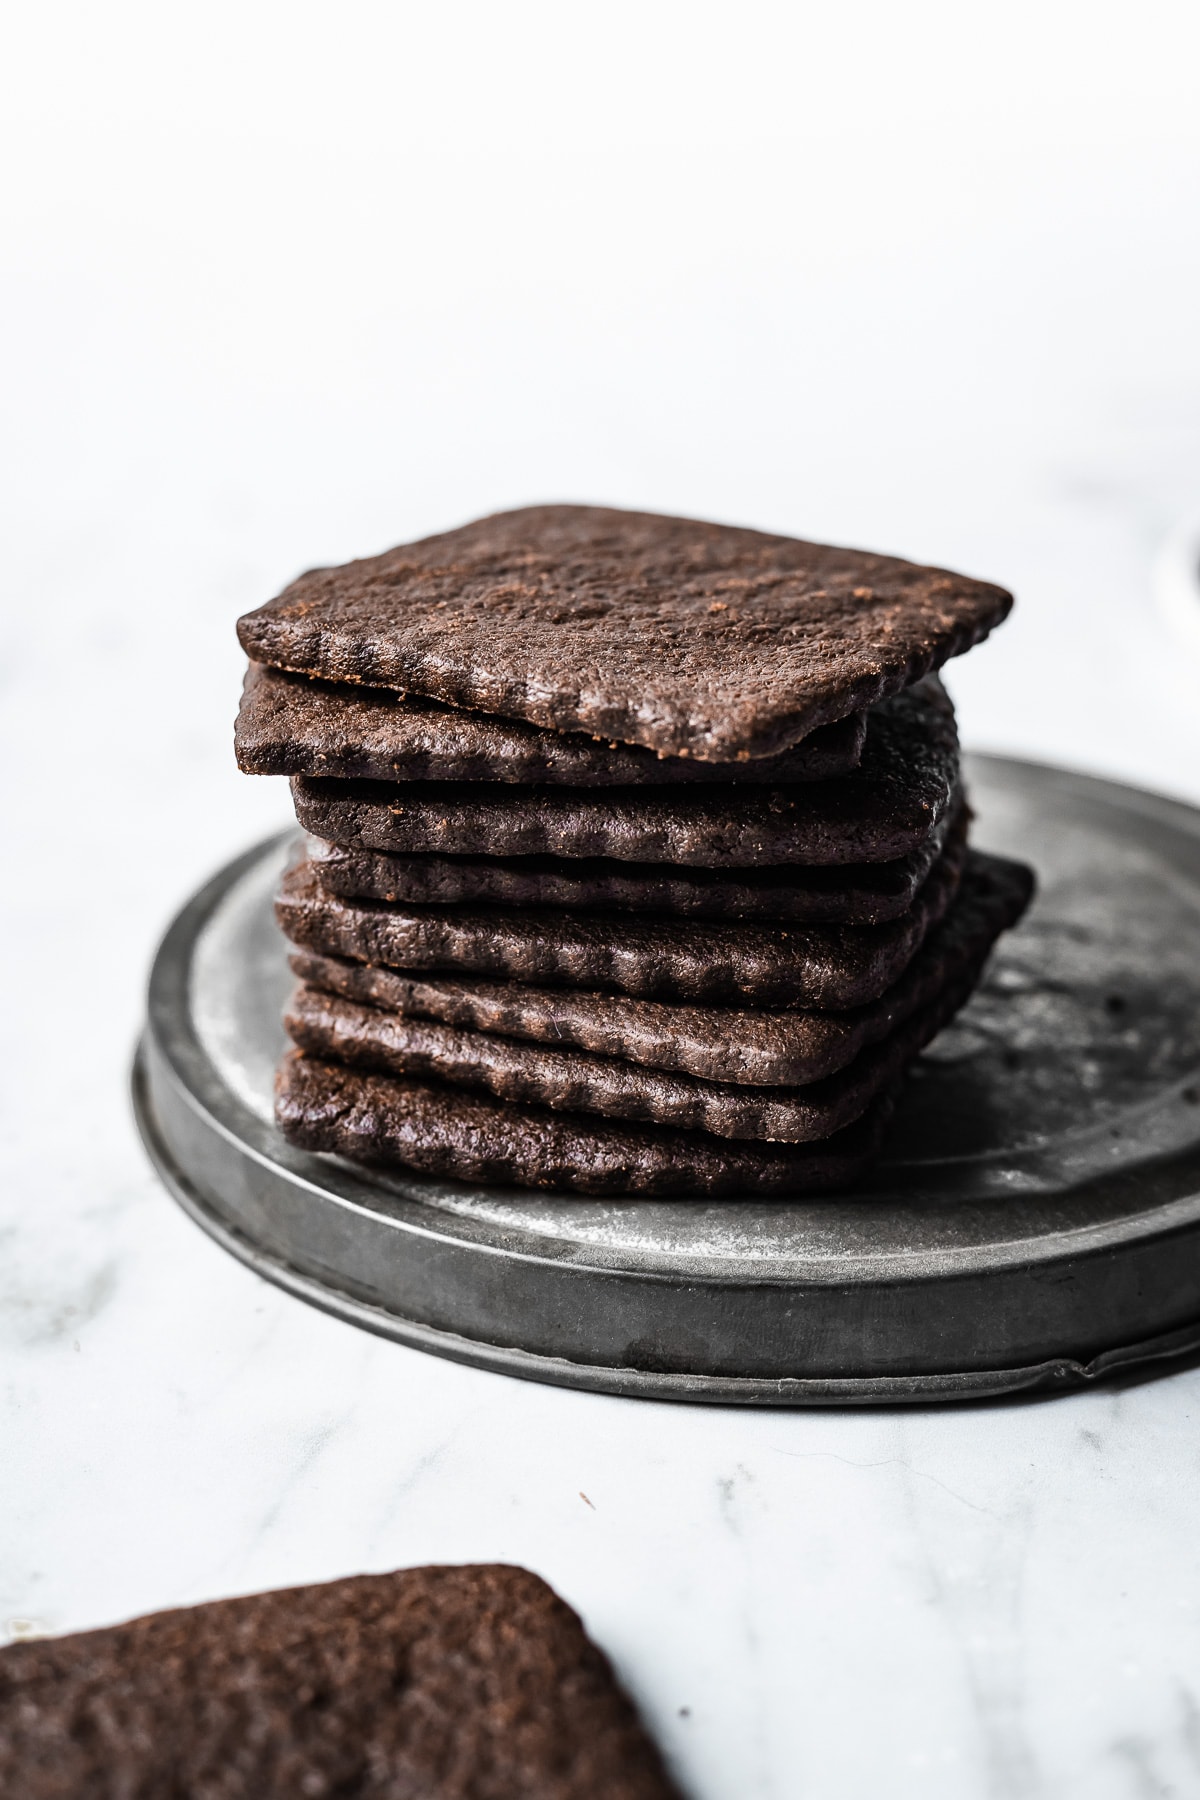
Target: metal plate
1035, 1224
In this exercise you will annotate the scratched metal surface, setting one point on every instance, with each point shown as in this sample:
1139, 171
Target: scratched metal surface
1037, 1208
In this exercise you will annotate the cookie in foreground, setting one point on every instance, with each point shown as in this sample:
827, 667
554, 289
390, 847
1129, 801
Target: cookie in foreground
457, 1683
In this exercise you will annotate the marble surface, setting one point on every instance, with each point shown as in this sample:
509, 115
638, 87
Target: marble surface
991, 1601
986, 358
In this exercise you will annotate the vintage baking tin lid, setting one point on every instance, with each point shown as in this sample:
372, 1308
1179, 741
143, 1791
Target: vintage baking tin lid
1034, 1225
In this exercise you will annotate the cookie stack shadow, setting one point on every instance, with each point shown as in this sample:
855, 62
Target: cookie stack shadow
537, 956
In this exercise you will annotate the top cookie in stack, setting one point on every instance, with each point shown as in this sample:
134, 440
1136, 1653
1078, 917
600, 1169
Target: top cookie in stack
639, 860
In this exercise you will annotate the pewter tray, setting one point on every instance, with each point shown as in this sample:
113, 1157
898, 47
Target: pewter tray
1035, 1223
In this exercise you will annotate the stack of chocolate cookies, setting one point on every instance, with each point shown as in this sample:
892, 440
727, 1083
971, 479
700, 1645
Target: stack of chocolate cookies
638, 853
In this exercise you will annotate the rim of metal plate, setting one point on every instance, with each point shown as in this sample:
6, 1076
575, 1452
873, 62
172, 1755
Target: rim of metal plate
303, 1222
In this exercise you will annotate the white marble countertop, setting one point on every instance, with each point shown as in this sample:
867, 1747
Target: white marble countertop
953, 1603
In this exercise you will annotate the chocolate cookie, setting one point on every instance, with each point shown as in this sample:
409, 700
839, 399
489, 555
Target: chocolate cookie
325, 1026
687, 638
852, 893
463, 1683
904, 785
834, 966
296, 725
787, 1048
445, 1131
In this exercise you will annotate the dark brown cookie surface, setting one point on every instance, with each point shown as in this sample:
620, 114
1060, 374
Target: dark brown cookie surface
471, 1683
326, 1026
787, 1048
835, 966
852, 893
296, 725
905, 784
670, 633
445, 1131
